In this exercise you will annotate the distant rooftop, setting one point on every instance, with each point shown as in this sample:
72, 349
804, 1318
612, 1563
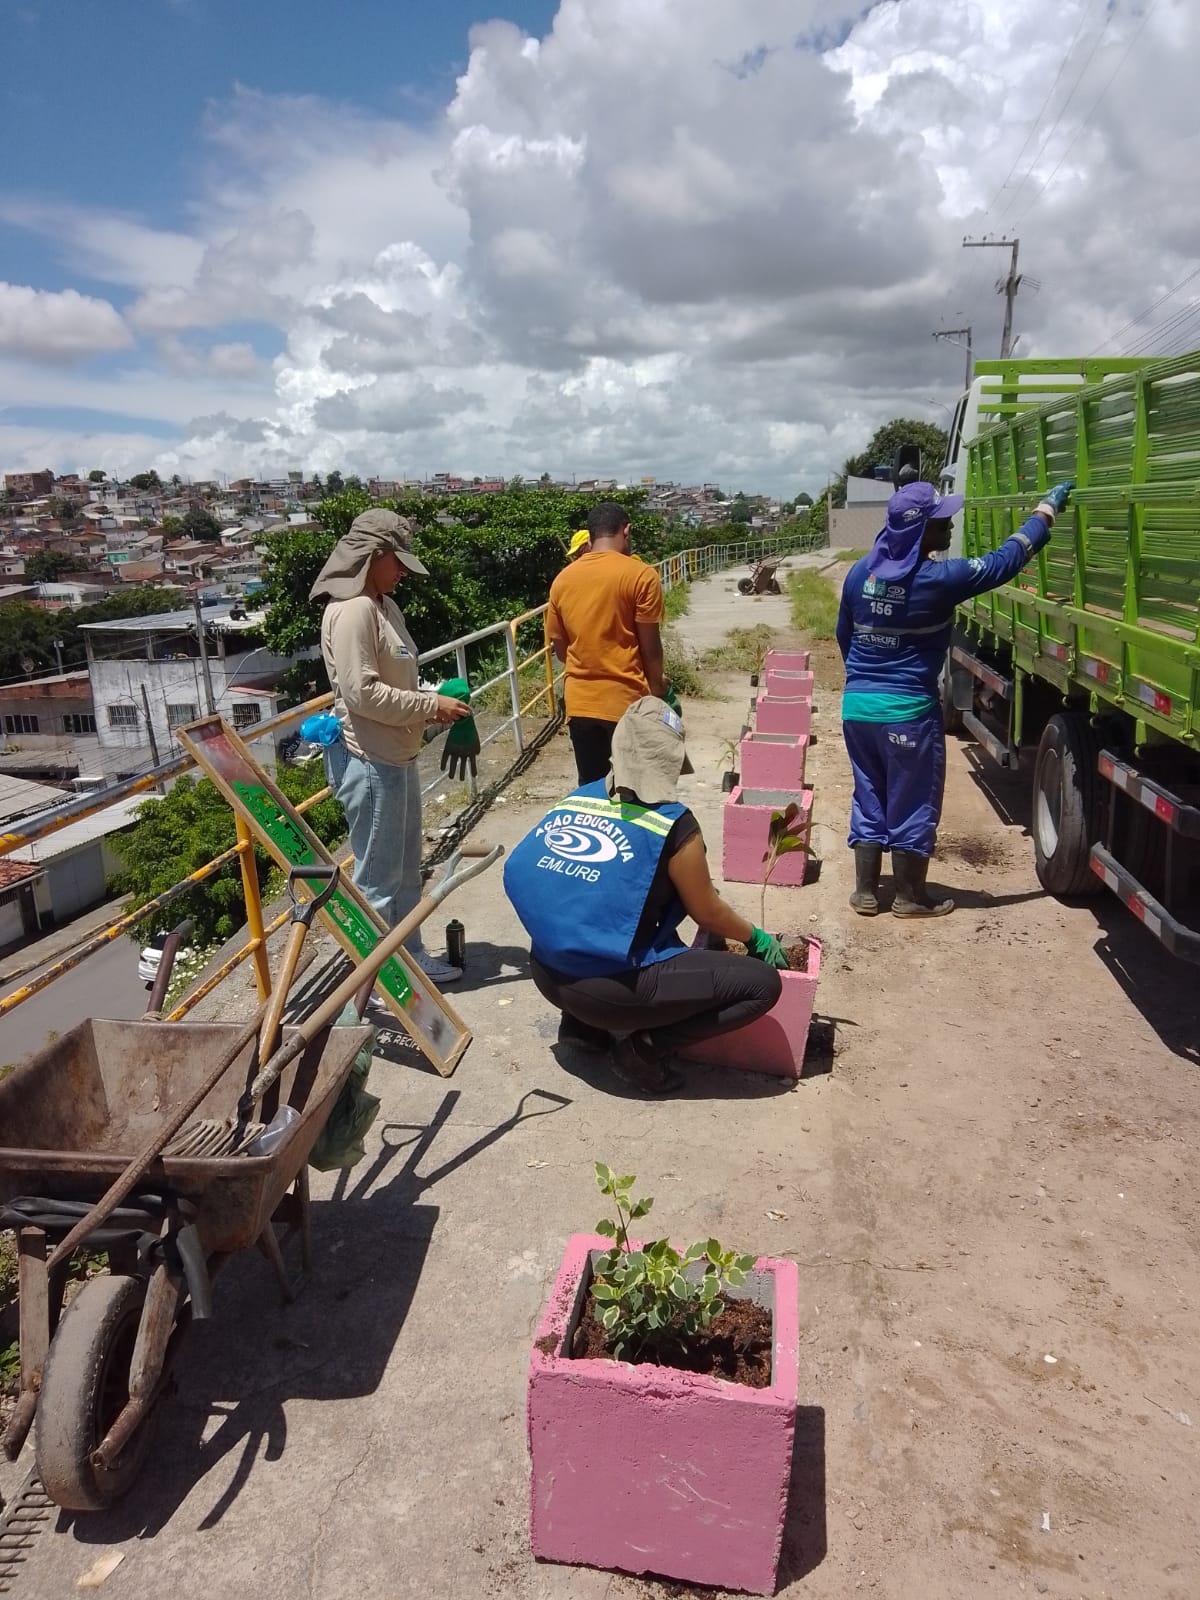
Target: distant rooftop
180, 621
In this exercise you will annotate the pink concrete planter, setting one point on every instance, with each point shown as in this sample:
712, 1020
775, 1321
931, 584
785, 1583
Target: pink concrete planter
790, 685
647, 1469
775, 714
775, 1044
786, 661
772, 760
747, 823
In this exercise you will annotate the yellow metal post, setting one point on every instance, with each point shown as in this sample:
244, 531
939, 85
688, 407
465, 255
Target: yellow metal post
254, 917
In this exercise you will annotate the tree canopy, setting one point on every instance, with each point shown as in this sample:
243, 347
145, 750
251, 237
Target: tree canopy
930, 439
46, 566
178, 833
27, 632
146, 480
498, 555
196, 523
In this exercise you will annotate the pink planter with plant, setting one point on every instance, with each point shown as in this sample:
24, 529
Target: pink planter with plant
776, 714
772, 760
747, 833
647, 1468
786, 661
776, 1043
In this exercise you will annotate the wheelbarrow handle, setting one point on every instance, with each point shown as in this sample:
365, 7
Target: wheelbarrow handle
466, 863
166, 966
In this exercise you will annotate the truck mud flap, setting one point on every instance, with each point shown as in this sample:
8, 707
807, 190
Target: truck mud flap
1001, 751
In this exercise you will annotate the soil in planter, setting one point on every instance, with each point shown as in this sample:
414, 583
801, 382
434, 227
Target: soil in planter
736, 1345
796, 950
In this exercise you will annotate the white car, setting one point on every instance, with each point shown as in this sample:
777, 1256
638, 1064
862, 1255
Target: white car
151, 958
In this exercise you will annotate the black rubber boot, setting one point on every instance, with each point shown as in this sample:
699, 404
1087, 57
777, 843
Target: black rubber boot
912, 899
639, 1062
868, 864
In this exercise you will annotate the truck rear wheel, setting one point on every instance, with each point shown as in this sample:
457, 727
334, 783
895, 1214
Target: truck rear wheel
1066, 810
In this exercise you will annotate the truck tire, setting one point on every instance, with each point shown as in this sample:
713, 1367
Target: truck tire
951, 716
85, 1387
1066, 805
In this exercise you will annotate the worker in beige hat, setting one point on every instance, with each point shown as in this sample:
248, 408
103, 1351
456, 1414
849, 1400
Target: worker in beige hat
372, 664
601, 886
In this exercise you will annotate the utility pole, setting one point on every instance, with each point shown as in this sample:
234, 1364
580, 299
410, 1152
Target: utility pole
1007, 286
211, 704
150, 725
954, 336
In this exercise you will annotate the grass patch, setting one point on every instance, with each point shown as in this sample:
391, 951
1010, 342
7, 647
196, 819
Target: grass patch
682, 666
814, 606
744, 650
848, 555
676, 601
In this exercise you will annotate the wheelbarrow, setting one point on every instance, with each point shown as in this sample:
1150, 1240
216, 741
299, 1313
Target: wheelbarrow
85, 1123
762, 579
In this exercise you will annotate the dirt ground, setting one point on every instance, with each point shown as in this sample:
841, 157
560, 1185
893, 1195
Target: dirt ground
987, 1181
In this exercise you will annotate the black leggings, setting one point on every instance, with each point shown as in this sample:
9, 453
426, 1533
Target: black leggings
591, 741
688, 997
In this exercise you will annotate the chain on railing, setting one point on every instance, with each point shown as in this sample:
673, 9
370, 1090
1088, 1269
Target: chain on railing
682, 567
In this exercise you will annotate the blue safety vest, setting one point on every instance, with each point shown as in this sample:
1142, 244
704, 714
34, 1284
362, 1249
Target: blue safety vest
579, 883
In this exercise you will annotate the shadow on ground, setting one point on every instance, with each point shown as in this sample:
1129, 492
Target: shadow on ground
1159, 984
256, 1354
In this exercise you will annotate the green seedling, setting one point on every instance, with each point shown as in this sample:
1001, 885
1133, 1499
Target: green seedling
782, 840
652, 1298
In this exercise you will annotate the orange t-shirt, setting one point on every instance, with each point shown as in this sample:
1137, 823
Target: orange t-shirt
595, 604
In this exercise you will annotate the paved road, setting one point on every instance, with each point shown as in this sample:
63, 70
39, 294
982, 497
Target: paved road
105, 985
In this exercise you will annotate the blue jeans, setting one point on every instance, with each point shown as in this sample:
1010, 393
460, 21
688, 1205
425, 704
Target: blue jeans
383, 811
899, 775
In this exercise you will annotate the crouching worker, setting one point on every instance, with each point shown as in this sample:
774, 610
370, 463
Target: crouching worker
601, 886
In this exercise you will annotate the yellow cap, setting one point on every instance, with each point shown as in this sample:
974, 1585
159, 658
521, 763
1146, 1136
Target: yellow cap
579, 543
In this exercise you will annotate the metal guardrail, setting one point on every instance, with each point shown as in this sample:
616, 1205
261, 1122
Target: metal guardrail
680, 568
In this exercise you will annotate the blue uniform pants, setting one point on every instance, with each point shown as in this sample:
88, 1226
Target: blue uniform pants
899, 775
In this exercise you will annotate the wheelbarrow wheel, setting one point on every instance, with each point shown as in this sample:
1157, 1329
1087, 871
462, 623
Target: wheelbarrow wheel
745, 585
84, 1390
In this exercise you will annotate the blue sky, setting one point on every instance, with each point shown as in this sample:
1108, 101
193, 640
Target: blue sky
113, 122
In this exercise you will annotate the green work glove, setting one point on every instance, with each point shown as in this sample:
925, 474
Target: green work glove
672, 699
461, 748
766, 947
1057, 497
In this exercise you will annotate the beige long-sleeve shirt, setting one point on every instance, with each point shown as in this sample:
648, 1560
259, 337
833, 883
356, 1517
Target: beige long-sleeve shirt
372, 664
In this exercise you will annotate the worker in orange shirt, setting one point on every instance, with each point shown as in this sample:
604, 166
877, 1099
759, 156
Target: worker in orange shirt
604, 620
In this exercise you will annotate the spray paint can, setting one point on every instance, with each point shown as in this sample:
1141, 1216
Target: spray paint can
456, 943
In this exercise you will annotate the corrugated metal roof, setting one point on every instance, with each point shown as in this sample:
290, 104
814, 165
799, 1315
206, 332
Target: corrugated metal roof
88, 829
19, 797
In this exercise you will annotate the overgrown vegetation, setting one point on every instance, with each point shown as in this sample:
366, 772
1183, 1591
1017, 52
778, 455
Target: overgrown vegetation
848, 555
177, 834
743, 650
681, 664
813, 604
653, 1299
677, 601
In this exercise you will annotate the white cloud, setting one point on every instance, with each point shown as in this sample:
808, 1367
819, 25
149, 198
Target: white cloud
673, 236
64, 327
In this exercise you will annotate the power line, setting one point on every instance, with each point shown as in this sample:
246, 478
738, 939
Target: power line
1012, 199
1166, 331
1086, 120
1062, 67
1112, 338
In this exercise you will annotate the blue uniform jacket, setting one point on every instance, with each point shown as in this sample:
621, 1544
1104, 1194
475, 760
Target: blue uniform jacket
894, 636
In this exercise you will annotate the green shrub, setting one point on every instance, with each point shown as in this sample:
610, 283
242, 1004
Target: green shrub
814, 605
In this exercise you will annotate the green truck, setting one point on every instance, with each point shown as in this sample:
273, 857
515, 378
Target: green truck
1092, 656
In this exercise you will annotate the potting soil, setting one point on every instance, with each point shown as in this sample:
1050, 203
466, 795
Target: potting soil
736, 1345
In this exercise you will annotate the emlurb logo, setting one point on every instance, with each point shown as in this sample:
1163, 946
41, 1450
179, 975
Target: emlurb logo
579, 844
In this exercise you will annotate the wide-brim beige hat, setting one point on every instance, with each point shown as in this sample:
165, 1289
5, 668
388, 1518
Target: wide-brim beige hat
373, 533
648, 752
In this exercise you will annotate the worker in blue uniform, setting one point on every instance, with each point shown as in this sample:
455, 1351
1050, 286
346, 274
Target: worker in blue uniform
894, 628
